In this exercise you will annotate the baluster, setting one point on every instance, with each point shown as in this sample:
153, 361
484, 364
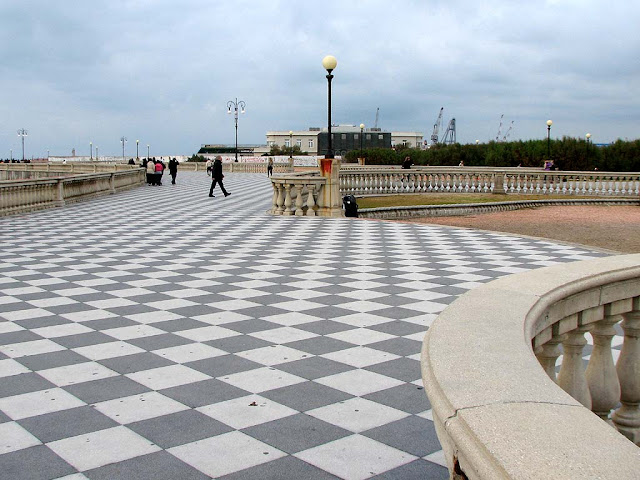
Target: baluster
287, 200
280, 209
548, 353
310, 202
298, 208
601, 371
572, 376
627, 417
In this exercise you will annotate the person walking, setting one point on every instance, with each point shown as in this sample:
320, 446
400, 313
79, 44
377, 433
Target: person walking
151, 172
217, 176
270, 167
173, 170
159, 171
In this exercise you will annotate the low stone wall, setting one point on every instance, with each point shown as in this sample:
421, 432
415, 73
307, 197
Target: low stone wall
489, 370
391, 213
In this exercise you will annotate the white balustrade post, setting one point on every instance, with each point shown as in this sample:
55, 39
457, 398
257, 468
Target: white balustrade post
274, 199
311, 201
548, 355
299, 212
287, 200
627, 417
601, 371
572, 376
280, 209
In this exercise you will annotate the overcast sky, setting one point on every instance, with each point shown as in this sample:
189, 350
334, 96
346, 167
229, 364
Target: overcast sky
162, 71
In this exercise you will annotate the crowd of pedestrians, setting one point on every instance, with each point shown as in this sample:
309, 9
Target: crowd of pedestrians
155, 169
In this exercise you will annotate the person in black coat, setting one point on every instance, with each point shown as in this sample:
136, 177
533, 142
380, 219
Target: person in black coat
173, 169
217, 176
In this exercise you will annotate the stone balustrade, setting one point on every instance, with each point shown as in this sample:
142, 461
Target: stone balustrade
393, 180
489, 370
298, 194
19, 196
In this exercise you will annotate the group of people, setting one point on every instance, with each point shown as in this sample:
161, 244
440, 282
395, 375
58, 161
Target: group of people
155, 169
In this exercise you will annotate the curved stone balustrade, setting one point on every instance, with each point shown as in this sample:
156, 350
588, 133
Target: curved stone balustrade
393, 180
489, 370
20, 196
298, 194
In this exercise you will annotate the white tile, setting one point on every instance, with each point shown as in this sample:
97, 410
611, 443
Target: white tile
360, 356
167, 377
206, 455
102, 351
297, 305
273, 354
133, 331
283, 335
291, 318
9, 367
171, 304
231, 305
355, 457
427, 306
363, 306
21, 291
153, 317
139, 407
52, 302
187, 293
14, 437
220, 318
361, 336
246, 411
261, 379
204, 334
88, 315
361, 319
35, 347
437, 457
74, 292
38, 403
244, 293
96, 449
76, 373
359, 382
8, 327
357, 414
189, 352
111, 303
26, 314
130, 292
63, 330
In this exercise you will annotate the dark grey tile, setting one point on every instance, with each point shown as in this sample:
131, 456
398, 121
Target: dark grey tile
35, 463
295, 433
238, 343
157, 466
263, 311
106, 389
415, 435
416, 470
67, 423
404, 369
179, 428
179, 325
44, 361
314, 367
23, 383
407, 397
398, 346
4, 418
157, 342
136, 362
306, 396
106, 323
328, 312
203, 393
320, 345
193, 310
325, 327
31, 323
398, 328
397, 313
250, 326
224, 365
83, 339
18, 337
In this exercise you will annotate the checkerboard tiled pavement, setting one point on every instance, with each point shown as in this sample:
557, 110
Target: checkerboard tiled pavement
161, 334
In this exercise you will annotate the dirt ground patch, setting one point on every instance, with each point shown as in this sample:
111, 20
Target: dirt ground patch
615, 228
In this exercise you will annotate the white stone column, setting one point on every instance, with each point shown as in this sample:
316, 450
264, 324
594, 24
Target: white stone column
572, 376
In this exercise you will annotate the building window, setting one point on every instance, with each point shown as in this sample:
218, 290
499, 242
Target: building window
368, 136
380, 137
310, 143
355, 136
299, 142
344, 136
287, 143
271, 143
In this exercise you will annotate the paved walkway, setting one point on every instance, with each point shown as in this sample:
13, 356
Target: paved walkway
161, 334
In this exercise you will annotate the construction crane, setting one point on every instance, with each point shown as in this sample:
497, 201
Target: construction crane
450, 133
506, 135
436, 128
499, 128
375, 125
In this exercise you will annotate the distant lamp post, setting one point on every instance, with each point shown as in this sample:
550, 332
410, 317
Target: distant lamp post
290, 144
477, 142
123, 140
329, 63
549, 123
11, 154
91, 150
97, 157
22, 133
236, 105
137, 156
147, 152
588, 136
361, 135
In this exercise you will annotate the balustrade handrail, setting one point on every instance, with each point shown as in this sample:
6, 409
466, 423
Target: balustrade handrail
499, 414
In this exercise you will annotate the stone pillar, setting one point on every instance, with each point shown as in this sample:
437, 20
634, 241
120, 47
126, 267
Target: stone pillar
498, 182
331, 204
572, 377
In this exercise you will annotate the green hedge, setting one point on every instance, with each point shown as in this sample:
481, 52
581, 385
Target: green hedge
568, 154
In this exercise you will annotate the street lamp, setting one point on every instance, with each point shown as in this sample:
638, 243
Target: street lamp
235, 106
147, 152
290, 144
477, 142
361, 135
329, 63
97, 157
549, 123
123, 140
137, 156
22, 133
91, 150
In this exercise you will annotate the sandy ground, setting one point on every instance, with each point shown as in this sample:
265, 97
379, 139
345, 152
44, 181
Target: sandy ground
615, 228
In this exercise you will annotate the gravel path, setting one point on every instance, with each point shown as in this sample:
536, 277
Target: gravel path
615, 228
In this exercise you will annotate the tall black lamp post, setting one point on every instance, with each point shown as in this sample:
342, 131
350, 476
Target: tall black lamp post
137, 156
290, 144
361, 135
147, 151
22, 133
549, 123
329, 63
237, 104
